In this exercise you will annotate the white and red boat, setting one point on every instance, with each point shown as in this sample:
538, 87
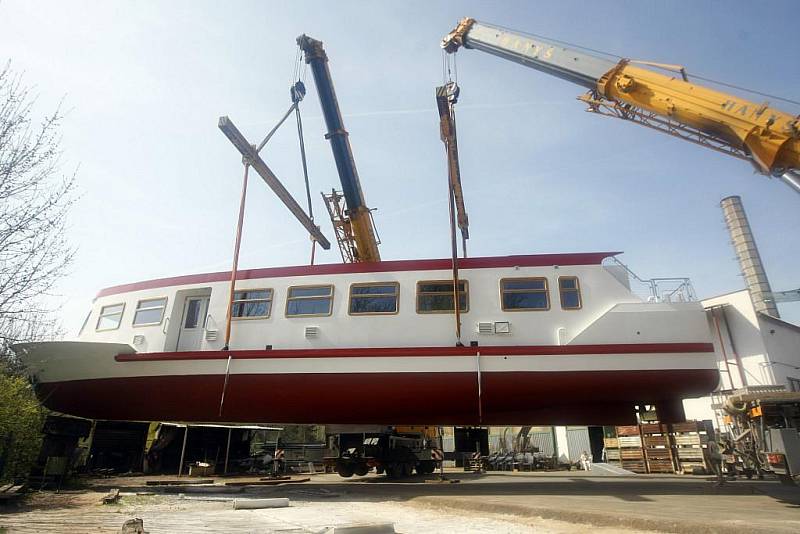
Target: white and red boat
547, 339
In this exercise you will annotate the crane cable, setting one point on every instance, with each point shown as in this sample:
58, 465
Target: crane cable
447, 75
298, 91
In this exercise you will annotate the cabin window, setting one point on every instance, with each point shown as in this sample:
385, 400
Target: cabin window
309, 300
149, 312
374, 298
570, 290
252, 304
524, 294
110, 317
436, 296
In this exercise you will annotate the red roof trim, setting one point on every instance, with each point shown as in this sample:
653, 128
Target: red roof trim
537, 260
387, 352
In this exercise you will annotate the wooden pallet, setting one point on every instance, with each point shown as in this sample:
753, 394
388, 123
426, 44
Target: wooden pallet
656, 441
660, 466
654, 428
631, 454
691, 440
630, 442
688, 426
690, 453
637, 466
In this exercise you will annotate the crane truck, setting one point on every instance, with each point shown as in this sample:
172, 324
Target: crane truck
766, 137
396, 451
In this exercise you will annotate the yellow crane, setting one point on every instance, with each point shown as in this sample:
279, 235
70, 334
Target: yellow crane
628, 89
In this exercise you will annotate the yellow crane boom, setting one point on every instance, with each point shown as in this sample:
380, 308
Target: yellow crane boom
765, 136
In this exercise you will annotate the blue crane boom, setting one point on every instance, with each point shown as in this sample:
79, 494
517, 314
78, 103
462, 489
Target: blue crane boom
360, 219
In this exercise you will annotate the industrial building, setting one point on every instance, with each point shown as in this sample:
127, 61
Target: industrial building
756, 349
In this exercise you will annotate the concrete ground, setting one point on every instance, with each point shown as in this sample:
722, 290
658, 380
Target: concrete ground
554, 502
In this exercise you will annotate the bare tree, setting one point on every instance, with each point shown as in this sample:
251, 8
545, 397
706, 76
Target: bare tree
34, 200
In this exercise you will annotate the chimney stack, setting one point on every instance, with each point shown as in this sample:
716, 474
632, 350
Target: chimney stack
755, 278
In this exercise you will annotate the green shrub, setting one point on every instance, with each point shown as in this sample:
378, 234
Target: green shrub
21, 420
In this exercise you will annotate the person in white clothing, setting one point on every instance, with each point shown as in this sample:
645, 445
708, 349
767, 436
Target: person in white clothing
586, 461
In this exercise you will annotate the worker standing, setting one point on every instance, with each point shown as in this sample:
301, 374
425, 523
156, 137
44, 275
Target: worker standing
715, 458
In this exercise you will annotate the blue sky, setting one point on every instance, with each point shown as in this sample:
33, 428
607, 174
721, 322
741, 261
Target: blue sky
145, 83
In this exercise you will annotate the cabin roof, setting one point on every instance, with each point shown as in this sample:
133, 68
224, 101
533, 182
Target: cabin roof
487, 262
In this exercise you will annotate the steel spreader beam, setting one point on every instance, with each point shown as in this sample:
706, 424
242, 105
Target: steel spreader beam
250, 156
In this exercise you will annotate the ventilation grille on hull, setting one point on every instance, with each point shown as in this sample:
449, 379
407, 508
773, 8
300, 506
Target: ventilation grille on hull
312, 332
486, 328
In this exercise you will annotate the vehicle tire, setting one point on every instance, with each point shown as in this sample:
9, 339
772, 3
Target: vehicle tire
787, 479
394, 470
380, 470
408, 469
361, 469
345, 470
426, 467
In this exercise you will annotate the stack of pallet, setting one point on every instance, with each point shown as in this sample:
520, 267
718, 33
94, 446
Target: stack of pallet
657, 448
690, 438
611, 444
631, 454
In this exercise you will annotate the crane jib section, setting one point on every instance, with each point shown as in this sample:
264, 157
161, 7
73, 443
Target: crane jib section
767, 137
359, 214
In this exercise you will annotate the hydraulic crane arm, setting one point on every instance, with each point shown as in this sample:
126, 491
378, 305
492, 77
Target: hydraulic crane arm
366, 243
446, 97
765, 136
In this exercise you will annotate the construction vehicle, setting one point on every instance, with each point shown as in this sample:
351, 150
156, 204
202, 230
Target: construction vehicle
670, 103
765, 432
396, 451
352, 219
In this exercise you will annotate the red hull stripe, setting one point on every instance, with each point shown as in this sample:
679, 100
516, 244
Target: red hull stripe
532, 350
537, 260
590, 397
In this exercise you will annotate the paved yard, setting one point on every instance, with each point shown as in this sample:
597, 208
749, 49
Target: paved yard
500, 502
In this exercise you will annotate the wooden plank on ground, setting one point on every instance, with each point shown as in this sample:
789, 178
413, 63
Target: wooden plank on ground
267, 482
178, 482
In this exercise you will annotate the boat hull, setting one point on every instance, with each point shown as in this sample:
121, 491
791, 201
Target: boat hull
586, 397
589, 384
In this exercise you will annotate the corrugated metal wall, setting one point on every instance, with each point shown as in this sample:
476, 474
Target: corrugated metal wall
578, 441
543, 440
